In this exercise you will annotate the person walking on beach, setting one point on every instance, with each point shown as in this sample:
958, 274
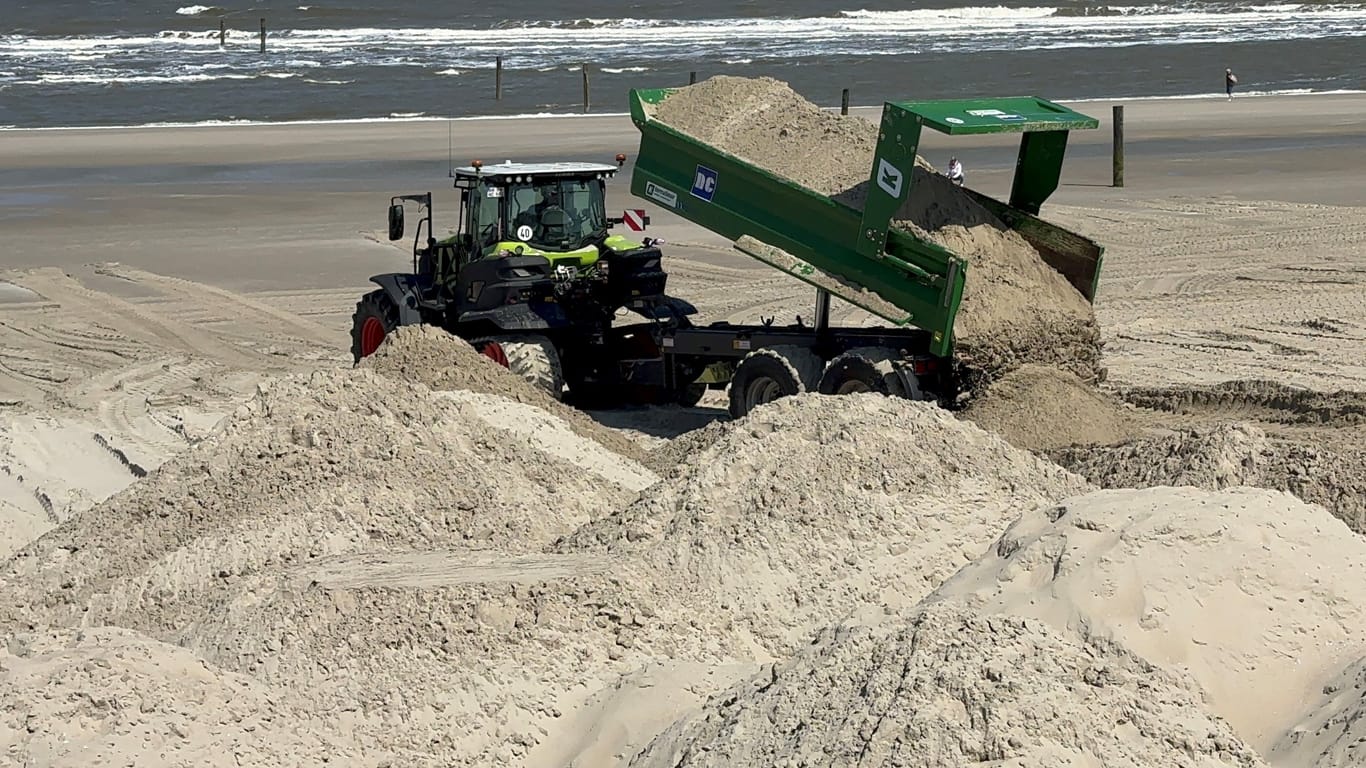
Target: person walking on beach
1230, 80
955, 172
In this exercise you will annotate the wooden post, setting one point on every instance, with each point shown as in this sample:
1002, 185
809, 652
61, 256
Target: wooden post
586, 103
263, 35
692, 78
222, 33
498, 79
844, 102
1118, 120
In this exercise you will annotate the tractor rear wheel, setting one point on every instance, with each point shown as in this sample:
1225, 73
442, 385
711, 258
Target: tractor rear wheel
375, 318
531, 356
768, 374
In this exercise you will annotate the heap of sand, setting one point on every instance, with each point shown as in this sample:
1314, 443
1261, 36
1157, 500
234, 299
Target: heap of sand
315, 465
814, 508
1257, 596
443, 361
1043, 409
1016, 309
108, 696
1326, 467
951, 688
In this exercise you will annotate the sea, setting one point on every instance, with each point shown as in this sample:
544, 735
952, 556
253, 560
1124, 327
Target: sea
92, 63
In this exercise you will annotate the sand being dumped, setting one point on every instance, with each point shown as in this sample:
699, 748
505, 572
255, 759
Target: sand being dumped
1043, 409
442, 361
949, 689
1015, 308
1257, 596
813, 508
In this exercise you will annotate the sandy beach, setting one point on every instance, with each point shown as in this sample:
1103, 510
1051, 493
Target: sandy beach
153, 280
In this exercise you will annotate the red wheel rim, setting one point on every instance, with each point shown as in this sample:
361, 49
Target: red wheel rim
371, 336
494, 351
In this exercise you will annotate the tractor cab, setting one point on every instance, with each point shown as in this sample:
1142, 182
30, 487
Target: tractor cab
555, 210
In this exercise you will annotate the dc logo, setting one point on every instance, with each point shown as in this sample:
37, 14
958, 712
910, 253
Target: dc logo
704, 183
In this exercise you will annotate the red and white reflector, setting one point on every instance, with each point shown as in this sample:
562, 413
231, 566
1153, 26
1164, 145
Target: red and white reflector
634, 219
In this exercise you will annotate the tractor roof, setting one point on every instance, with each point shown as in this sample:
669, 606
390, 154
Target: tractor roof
566, 170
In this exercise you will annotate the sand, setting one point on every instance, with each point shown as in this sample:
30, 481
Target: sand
107, 696
1254, 594
814, 509
1015, 309
1044, 409
1324, 466
951, 688
446, 362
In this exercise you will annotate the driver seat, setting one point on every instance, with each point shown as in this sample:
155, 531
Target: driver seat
555, 224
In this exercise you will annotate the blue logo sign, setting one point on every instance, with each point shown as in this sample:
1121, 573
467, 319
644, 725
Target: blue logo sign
704, 183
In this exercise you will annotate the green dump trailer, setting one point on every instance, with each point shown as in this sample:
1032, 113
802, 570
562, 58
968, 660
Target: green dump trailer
857, 255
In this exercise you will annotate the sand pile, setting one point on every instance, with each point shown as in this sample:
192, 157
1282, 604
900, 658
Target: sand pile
1334, 733
950, 689
812, 508
316, 465
1326, 467
429, 355
1257, 596
1043, 409
111, 697
1015, 308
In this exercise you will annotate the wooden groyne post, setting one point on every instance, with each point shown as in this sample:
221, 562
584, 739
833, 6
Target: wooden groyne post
586, 103
692, 78
263, 35
844, 102
222, 33
498, 79
1118, 160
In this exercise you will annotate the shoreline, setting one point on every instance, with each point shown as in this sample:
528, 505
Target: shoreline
1198, 97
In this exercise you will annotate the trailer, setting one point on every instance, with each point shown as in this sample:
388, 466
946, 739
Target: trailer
858, 256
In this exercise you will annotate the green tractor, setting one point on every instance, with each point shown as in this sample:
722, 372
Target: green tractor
535, 280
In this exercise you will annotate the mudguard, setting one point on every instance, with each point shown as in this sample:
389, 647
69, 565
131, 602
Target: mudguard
520, 317
402, 288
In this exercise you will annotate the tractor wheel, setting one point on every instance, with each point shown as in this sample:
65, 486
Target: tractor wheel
765, 375
376, 317
869, 369
531, 356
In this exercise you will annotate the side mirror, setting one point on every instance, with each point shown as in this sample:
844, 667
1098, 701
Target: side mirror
395, 221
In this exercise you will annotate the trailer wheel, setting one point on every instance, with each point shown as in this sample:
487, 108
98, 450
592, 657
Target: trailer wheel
865, 369
768, 374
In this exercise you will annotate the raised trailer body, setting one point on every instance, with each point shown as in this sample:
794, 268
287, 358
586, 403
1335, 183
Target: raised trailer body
914, 285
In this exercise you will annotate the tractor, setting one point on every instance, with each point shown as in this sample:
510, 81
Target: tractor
533, 278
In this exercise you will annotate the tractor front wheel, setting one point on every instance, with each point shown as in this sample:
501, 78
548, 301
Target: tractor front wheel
375, 318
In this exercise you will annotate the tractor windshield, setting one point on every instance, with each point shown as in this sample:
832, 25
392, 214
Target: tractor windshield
562, 214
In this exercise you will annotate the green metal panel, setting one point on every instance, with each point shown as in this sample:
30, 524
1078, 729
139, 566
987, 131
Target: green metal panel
733, 198
889, 183
1037, 169
1010, 114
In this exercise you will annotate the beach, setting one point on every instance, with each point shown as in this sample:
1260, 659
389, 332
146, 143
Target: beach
159, 282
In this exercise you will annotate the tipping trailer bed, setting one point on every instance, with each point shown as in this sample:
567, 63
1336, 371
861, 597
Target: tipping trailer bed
857, 255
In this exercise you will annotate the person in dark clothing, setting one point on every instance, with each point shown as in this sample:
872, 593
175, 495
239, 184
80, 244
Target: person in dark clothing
1230, 80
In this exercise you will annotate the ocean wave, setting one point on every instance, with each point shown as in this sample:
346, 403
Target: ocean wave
451, 72
196, 10
621, 70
